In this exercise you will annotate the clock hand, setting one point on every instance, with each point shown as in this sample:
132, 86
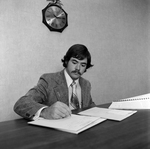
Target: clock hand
58, 16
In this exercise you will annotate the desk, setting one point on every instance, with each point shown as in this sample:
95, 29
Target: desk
131, 133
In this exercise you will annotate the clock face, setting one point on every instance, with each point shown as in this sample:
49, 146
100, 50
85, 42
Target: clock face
55, 17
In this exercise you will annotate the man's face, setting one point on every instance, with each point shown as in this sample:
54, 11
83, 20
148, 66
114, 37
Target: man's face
76, 68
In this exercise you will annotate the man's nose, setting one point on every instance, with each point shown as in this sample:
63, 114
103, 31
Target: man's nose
77, 67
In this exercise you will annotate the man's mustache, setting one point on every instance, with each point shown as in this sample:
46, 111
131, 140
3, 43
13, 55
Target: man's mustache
76, 71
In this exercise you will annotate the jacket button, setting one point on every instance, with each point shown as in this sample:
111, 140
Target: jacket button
27, 114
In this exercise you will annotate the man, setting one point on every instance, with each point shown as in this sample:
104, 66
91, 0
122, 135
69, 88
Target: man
56, 94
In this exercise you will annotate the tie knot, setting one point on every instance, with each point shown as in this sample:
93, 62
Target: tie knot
73, 83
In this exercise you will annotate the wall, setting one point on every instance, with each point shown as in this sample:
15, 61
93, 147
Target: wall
115, 32
149, 42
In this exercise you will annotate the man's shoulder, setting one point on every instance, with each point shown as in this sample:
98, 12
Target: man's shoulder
50, 74
54, 75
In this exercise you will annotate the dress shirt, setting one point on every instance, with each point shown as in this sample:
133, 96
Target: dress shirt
69, 82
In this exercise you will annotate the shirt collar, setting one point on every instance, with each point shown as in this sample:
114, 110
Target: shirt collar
69, 79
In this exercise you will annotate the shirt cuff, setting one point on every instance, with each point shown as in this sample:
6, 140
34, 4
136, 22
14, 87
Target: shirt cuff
37, 114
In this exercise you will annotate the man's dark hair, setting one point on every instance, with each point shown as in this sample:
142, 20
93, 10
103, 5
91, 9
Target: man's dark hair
78, 51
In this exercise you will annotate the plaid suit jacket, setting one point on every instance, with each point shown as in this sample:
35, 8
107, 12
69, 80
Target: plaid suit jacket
51, 87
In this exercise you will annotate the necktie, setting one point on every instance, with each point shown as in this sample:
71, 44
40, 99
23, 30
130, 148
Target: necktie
74, 98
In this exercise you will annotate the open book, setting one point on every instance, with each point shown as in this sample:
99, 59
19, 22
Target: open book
137, 102
73, 124
111, 114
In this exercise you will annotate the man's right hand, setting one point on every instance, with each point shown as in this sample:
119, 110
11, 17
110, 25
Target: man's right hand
56, 111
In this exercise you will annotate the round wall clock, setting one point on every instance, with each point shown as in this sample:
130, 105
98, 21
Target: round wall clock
54, 17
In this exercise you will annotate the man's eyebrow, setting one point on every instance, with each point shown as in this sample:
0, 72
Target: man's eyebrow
78, 61
74, 60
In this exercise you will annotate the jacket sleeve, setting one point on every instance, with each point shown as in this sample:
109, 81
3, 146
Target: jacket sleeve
92, 104
35, 98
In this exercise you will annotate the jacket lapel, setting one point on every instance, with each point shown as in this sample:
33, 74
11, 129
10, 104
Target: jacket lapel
61, 89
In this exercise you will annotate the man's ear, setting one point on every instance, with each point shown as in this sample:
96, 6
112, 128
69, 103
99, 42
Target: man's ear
66, 63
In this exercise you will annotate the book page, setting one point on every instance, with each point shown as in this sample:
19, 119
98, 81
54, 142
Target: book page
99, 120
140, 97
137, 102
108, 113
73, 123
